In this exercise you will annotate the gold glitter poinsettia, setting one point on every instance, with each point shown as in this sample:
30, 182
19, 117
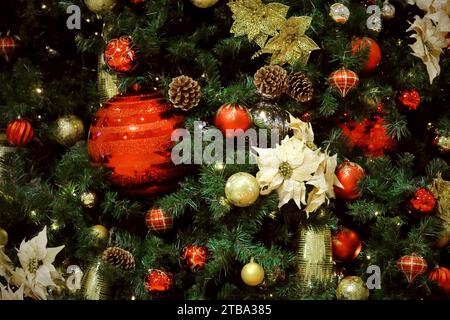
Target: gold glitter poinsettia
291, 45
257, 20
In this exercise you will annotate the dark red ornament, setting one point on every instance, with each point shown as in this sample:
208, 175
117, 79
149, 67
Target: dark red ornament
412, 266
8, 46
131, 136
423, 201
232, 117
193, 257
19, 132
158, 221
374, 58
369, 135
343, 80
409, 99
349, 174
120, 55
158, 281
137, 1
442, 276
346, 245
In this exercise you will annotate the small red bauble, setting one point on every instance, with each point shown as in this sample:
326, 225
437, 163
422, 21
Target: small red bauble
120, 55
8, 45
231, 117
410, 99
423, 201
343, 80
131, 136
158, 281
158, 221
19, 132
349, 174
137, 1
346, 246
374, 57
193, 257
412, 266
442, 276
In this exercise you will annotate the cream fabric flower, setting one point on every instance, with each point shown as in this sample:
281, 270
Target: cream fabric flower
302, 130
9, 294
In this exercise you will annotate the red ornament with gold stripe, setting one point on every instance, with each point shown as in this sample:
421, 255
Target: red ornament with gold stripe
120, 55
158, 220
19, 132
193, 257
343, 80
412, 266
8, 46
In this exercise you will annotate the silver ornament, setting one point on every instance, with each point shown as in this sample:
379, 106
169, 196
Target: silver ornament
387, 11
89, 199
339, 12
267, 115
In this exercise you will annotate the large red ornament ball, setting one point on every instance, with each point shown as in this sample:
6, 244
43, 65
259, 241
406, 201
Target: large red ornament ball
442, 276
19, 132
423, 201
349, 174
158, 221
409, 99
374, 58
158, 281
120, 55
8, 45
193, 257
343, 80
131, 136
232, 117
412, 266
346, 245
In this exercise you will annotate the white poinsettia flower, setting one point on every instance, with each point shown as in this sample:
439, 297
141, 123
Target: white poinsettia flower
302, 130
6, 293
35, 284
5, 264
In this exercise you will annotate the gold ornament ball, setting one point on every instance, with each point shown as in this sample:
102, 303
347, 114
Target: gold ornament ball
68, 130
242, 189
100, 6
100, 232
3, 237
204, 3
352, 288
252, 274
89, 199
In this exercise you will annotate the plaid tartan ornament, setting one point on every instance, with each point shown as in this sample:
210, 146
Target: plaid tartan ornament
8, 45
343, 80
158, 221
412, 266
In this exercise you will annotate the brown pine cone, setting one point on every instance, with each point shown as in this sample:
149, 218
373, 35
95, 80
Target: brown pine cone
300, 87
271, 81
119, 257
184, 93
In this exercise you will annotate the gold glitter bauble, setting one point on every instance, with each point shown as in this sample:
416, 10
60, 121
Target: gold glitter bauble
204, 3
89, 199
3, 237
242, 189
352, 288
68, 130
252, 274
94, 286
100, 232
100, 6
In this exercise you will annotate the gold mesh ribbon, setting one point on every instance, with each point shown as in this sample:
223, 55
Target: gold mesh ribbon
441, 190
315, 261
94, 286
107, 83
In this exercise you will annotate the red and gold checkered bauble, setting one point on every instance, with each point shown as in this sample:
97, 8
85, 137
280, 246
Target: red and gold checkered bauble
158, 221
120, 55
412, 266
19, 132
8, 45
193, 257
343, 80
158, 281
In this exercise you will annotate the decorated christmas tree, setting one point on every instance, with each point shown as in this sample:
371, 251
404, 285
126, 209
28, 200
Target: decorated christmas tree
215, 149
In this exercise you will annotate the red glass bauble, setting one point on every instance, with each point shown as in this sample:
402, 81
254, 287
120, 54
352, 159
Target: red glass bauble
19, 132
409, 99
158, 220
423, 201
374, 57
193, 257
412, 266
8, 45
131, 136
346, 245
231, 117
120, 55
442, 276
343, 80
158, 281
349, 174
137, 1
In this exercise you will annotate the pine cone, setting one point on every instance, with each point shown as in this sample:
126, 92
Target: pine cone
184, 93
271, 81
300, 87
119, 257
